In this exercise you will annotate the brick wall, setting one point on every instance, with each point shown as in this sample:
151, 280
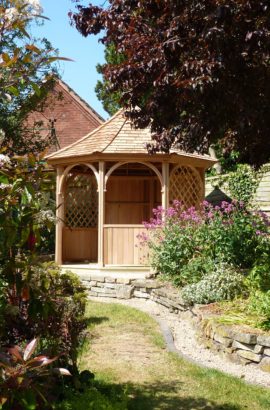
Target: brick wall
72, 117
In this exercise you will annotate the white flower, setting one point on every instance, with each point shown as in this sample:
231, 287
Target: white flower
11, 14
35, 5
5, 186
45, 216
33, 8
4, 161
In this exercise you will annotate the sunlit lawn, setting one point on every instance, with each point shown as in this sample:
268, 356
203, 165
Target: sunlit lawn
132, 367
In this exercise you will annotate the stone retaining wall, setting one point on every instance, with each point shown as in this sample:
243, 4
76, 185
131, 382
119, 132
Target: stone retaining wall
120, 288
239, 346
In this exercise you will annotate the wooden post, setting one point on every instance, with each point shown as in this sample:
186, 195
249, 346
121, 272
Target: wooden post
60, 215
202, 174
165, 188
101, 213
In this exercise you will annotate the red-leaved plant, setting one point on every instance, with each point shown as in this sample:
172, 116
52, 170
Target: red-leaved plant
24, 379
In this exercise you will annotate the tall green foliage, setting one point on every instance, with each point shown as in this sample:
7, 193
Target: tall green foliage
110, 100
37, 299
26, 74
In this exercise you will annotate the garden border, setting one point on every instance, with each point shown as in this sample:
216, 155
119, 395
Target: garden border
244, 347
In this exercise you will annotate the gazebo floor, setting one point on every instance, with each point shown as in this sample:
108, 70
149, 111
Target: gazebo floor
84, 271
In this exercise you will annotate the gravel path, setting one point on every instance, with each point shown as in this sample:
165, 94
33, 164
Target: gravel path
180, 337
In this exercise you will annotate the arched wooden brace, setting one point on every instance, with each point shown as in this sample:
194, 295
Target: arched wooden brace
68, 169
147, 164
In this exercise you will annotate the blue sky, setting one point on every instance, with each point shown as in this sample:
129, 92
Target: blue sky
81, 74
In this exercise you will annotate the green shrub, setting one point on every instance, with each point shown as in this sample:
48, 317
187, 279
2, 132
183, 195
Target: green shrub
259, 278
221, 284
259, 303
194, 270
49, 305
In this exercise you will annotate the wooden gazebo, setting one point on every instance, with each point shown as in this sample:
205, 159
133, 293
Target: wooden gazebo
107, 185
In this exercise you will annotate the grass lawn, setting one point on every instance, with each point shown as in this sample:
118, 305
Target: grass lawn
132, 367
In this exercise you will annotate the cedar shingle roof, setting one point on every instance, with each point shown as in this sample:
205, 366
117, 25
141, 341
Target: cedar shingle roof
115, 136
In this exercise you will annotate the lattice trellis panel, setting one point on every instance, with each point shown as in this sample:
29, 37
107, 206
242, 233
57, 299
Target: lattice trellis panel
186, 186
81, 201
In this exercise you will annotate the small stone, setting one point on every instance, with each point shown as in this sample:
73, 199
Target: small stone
253, 357
264, 340
149, 284
141, 295
109, 285
110, 280
258, 349
98, 278
163, 302
247, 338
251, 348
123, 281
225, 341
265, 364
224, 331
103, 290
124, 292
90, 293
244, 361
267, 352
100, 284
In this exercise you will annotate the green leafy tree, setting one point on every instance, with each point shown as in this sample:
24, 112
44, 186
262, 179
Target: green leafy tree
110, 99
197, 72
26, 74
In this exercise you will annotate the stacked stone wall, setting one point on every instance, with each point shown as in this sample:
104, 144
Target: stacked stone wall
240, 346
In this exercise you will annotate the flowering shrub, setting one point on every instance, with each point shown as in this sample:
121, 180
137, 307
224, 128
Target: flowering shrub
221, 284
228, 233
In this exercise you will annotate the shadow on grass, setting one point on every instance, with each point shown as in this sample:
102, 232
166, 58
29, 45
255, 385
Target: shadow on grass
158, 396
95, 320
166, 396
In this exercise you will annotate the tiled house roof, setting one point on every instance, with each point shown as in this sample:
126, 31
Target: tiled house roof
72, 117
116, 136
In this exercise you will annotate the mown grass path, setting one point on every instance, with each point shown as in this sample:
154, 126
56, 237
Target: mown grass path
127, 349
